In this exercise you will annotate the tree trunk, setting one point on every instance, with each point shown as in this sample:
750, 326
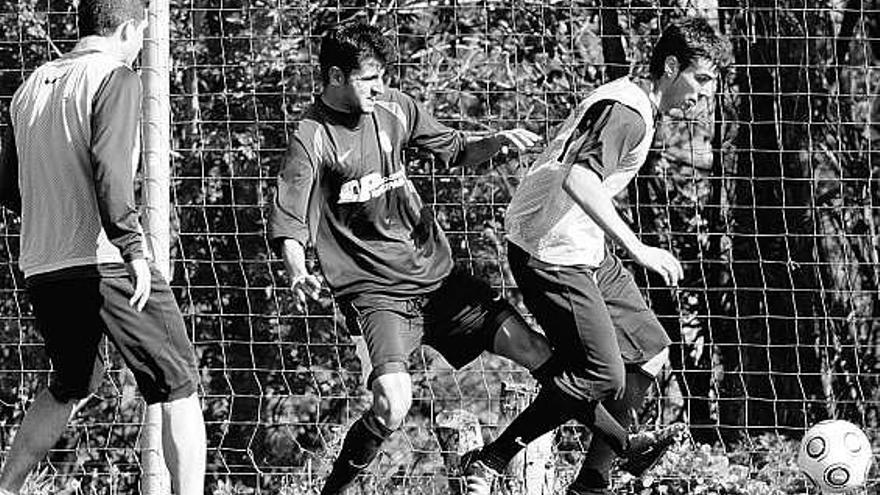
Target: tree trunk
774, 274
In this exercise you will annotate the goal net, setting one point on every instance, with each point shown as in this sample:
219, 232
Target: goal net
770, 198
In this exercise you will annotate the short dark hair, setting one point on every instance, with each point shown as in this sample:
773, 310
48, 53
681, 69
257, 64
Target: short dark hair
686, 40
349, 45
102, 17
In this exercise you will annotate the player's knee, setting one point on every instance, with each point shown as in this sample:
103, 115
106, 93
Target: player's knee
515, 339
177, 402
535, 345
530, 349
391, 412
392, 399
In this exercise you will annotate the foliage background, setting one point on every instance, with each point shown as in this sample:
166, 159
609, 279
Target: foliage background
770, 199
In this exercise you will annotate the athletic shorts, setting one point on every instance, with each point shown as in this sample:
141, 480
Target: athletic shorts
594, 317
76, 306
459, 320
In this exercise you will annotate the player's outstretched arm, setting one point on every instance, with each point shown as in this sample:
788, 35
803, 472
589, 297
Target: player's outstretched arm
480, 150
10, 197
453, 147
585, 188
304, 284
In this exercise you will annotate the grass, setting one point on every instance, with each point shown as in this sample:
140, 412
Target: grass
767, 467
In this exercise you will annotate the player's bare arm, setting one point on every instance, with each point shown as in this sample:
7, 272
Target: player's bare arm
585, 188
289, 221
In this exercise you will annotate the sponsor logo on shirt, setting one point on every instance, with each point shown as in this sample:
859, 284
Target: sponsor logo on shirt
370, 186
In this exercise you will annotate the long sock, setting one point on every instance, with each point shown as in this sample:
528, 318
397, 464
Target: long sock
361, 445
549, 409
605, 426
596, 468
554, 375
547, 371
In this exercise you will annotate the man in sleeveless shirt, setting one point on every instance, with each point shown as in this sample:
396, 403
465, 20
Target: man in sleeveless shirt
588, 305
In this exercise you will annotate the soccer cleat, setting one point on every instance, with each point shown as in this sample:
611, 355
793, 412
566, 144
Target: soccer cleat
477, 477
646, 448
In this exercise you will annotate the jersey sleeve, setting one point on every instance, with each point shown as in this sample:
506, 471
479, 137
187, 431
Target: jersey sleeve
289, 215
426, 133
10, 196
115, 133
607, 132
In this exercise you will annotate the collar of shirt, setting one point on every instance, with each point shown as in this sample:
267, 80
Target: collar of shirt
352, 121
93, 44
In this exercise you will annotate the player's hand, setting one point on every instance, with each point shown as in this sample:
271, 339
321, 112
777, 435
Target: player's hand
520, 138
139, 273
660, 261
305, 286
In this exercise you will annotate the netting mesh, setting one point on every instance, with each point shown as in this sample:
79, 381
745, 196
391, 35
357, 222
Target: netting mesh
770, 198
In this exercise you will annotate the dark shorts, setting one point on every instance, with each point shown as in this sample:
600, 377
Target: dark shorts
73, 313
459, 320
595, 318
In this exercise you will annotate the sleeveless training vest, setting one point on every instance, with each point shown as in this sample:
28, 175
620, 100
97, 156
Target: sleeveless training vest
542, 218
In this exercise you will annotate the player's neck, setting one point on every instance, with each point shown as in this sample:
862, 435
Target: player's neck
101, 43
341, 113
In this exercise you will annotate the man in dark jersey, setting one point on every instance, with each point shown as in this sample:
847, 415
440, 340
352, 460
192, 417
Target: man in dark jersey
68, 167
344, 188
589, 306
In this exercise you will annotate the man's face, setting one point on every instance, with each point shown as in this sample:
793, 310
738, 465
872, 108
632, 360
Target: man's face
364, 85
692, 86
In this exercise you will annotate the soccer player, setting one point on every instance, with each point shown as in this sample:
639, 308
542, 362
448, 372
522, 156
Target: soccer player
343, 188
557, 222
68, 167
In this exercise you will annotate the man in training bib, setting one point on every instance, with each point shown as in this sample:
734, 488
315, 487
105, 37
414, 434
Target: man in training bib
591, 311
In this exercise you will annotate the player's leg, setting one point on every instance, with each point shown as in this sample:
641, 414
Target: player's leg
155, 346
73, 351
465, 317
516, 340
570, 307
594, 475
643, 343
184, 443
391, 331
42, 427
392, 398
589, 367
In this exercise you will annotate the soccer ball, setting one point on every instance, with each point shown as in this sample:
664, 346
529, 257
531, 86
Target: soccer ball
836, 456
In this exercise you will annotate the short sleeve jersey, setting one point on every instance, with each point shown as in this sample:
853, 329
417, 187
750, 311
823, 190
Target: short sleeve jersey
344, 188
610, 133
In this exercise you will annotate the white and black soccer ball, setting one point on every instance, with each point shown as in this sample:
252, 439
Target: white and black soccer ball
836, 456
